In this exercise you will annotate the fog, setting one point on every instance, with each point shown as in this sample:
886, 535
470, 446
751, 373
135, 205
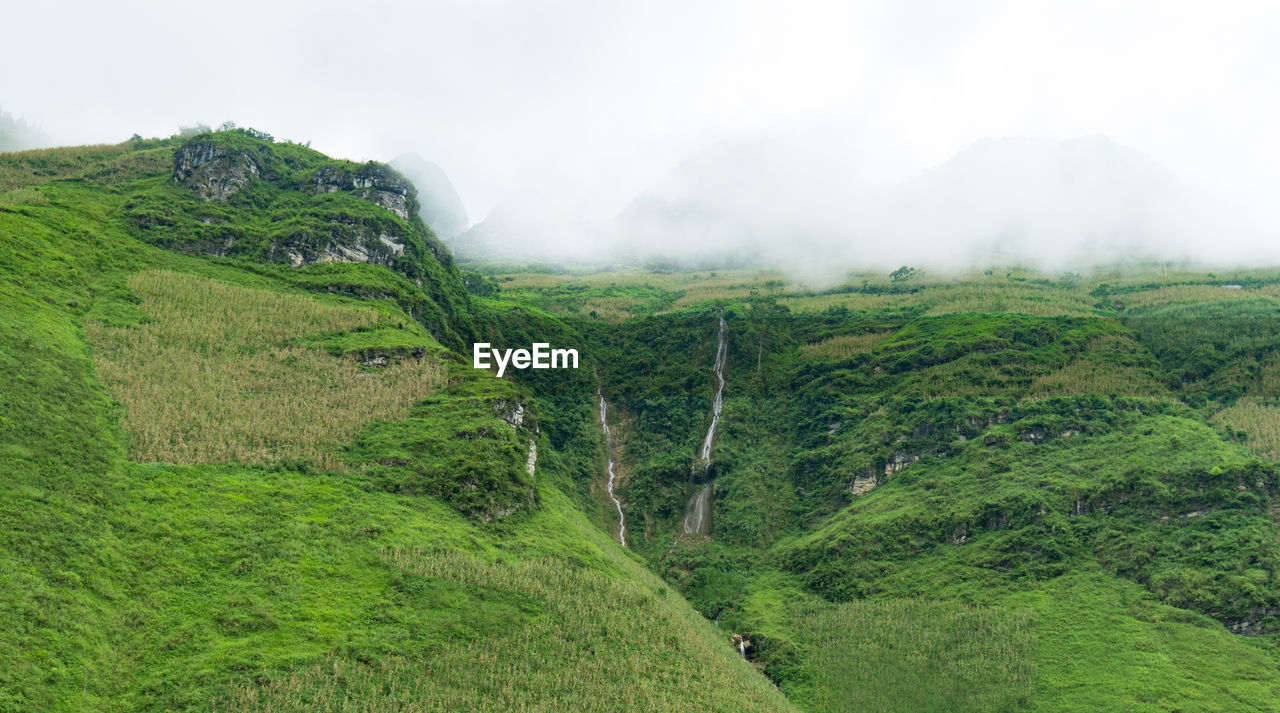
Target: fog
815, 136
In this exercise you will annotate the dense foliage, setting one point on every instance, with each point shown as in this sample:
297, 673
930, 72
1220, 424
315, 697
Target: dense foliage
238, 480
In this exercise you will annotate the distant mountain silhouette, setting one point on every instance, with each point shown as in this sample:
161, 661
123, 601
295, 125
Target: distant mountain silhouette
18, 135
442, 209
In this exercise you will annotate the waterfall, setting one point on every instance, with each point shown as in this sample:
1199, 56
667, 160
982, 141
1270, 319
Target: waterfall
697, 511
717, 403
613, 469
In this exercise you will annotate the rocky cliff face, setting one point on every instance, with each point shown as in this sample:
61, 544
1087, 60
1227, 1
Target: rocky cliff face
218, 169
347, 243
213, 170
237, 194
373, 182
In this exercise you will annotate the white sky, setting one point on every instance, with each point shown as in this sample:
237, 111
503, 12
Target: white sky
596, 100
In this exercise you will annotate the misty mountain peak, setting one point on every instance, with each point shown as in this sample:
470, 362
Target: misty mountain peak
441, 208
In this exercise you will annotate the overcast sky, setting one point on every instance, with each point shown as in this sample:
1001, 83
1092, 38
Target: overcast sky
596, 100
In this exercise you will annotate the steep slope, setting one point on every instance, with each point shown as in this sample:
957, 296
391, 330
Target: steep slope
168, 548
1033, 490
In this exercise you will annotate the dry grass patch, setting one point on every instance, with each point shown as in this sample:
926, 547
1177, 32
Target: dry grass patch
849, 300
215, 376
1261, 421
1268, 383
1183, 293
36, 166
1107, 367
1017, 298
843, 346
728, 286
987, 297
1083, 377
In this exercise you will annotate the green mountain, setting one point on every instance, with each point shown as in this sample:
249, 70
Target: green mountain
233, 483
248, 466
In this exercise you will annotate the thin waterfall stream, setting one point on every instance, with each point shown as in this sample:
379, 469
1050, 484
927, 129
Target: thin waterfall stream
613, 467
697, 511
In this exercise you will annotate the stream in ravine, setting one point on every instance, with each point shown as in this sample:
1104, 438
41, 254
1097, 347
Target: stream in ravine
697, 511
613, 467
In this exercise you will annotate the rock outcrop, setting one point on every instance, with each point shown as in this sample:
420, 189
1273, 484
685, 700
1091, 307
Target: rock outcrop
345, 243
373, 182
218, 167
214, 170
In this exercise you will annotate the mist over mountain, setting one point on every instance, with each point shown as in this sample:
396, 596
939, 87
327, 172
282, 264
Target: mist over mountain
1052, 204
738, 200
16, 134
1046, 203
441, 209
537, 226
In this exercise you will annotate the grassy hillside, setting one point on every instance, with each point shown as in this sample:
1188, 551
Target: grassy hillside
233, 484
1050, 475
248, 466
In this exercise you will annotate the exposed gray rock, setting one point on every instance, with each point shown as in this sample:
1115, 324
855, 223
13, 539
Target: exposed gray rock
213, 171
512, 413
864, 483
359, 245
373, 182
899, 461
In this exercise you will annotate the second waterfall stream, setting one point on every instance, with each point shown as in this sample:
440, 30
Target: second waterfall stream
697, 511
613, 467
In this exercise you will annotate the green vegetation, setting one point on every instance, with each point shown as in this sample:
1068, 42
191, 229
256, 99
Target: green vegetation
212, 373
874, 656
159, 586
248, 466
1005, 444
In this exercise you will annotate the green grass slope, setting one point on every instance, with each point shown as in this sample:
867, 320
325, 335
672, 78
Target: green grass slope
999, 492
374, 569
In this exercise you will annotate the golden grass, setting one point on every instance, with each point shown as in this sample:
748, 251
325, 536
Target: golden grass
614, 310
1101, 371
1082, 377
850, 300
214, 376
36, 166
1268, 385
988, 297
1185, 293
662, 280
1261, 421
843, 346
1012, 298
596, 643
724, 287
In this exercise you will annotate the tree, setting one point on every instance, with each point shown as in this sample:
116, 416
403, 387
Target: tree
903, 274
